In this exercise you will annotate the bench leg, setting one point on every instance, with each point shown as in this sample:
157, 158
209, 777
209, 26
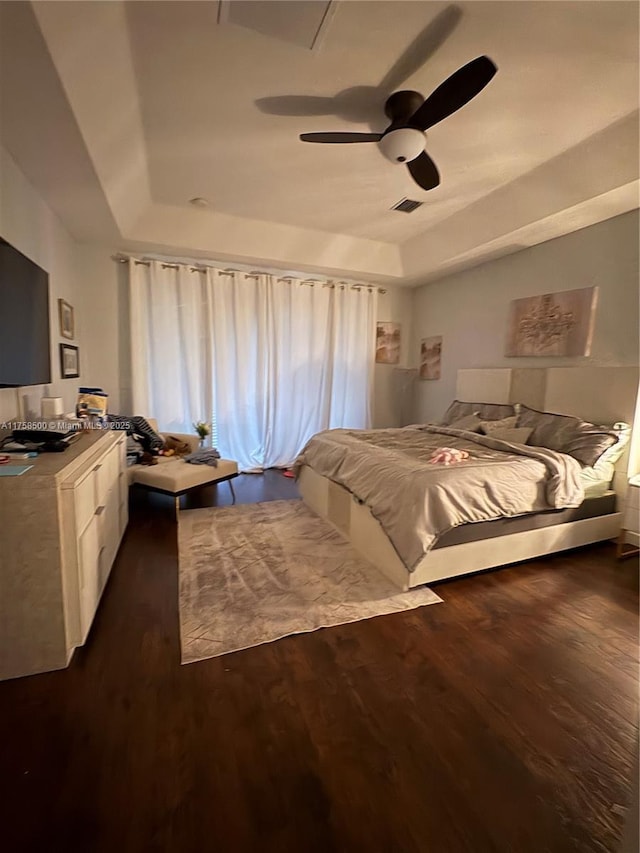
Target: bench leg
233, 494
177, 506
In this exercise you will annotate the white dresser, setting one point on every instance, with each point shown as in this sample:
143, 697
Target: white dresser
61, 524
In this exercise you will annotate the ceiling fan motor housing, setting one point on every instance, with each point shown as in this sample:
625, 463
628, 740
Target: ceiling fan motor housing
402, 145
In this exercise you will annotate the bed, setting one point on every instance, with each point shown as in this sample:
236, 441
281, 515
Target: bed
557, 519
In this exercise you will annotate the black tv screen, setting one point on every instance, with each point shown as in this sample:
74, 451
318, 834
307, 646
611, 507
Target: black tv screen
25, 357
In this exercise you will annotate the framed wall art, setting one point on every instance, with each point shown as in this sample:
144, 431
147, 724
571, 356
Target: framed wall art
65, 316
69, 362
388, 343
430, 357
553, 324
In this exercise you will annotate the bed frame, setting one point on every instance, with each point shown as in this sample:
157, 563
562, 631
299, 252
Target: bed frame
598, 394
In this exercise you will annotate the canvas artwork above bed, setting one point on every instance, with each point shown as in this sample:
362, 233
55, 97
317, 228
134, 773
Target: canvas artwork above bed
553, 324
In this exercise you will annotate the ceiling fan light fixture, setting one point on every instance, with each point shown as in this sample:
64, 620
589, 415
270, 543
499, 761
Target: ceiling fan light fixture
412, 115
402, 145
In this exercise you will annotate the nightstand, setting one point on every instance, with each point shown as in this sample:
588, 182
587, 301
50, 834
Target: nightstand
630, 520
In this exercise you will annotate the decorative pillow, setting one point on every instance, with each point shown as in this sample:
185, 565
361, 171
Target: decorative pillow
516, 435
469, 422
489, 427
584, 441
600, 476
487, 411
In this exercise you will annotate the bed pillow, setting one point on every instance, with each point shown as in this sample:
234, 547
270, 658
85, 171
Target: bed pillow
584, 441
613, 453
469, 422
516, 435
487, 411
598, 478
489, 427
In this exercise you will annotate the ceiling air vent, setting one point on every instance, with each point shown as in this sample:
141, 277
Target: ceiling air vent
407, 205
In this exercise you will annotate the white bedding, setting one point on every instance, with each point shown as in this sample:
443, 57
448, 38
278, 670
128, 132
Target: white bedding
597, 480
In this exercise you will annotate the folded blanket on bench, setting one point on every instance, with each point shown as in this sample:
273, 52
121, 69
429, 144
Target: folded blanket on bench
204, 457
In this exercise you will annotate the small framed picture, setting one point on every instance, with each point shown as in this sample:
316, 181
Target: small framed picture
387, 343
430, 357
65, 313
69, 362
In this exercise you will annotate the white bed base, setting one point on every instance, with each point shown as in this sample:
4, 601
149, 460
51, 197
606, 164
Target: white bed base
597, 394
355, 521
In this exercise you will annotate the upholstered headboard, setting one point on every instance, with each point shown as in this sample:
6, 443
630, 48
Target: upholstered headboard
602, 395
597, 394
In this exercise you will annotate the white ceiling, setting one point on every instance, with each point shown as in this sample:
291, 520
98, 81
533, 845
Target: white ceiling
159, 102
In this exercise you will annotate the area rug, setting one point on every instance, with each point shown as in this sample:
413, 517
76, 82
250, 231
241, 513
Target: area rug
255, 573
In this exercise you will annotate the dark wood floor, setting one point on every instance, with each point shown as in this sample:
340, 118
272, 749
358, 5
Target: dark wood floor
504, 719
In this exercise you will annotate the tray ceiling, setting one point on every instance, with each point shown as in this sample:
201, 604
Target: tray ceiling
167, 101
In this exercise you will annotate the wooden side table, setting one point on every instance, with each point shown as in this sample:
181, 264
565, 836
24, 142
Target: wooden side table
630, 520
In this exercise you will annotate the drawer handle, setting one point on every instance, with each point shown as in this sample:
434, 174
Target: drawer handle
100, 510
97, 467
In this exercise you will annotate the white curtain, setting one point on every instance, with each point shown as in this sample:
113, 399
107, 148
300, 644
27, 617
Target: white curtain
273, 361
170, 345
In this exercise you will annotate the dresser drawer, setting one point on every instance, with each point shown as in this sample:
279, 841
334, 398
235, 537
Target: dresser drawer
124, 485
124, 517
88, 574
111, 539
84, 499
106, 473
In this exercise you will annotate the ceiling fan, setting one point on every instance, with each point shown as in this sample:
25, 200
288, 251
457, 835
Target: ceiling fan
411, 115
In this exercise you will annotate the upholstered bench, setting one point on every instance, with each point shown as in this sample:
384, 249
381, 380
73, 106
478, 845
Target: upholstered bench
173, 476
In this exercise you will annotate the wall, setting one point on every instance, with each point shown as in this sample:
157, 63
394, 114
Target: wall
470, 309
31, 227
393, 391
105, 324
84, 276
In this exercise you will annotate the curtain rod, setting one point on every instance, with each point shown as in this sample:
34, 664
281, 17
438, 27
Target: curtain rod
146, 262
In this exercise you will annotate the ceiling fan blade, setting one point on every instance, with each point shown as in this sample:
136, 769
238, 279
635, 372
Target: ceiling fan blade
422, 48
296, 105
455, 92
424, 171
340, 137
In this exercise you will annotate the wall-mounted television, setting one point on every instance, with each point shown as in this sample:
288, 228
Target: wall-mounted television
25, 355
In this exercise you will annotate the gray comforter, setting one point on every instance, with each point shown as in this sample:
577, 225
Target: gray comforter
416, 501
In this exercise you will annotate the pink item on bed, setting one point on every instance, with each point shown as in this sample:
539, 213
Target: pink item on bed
448, 456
